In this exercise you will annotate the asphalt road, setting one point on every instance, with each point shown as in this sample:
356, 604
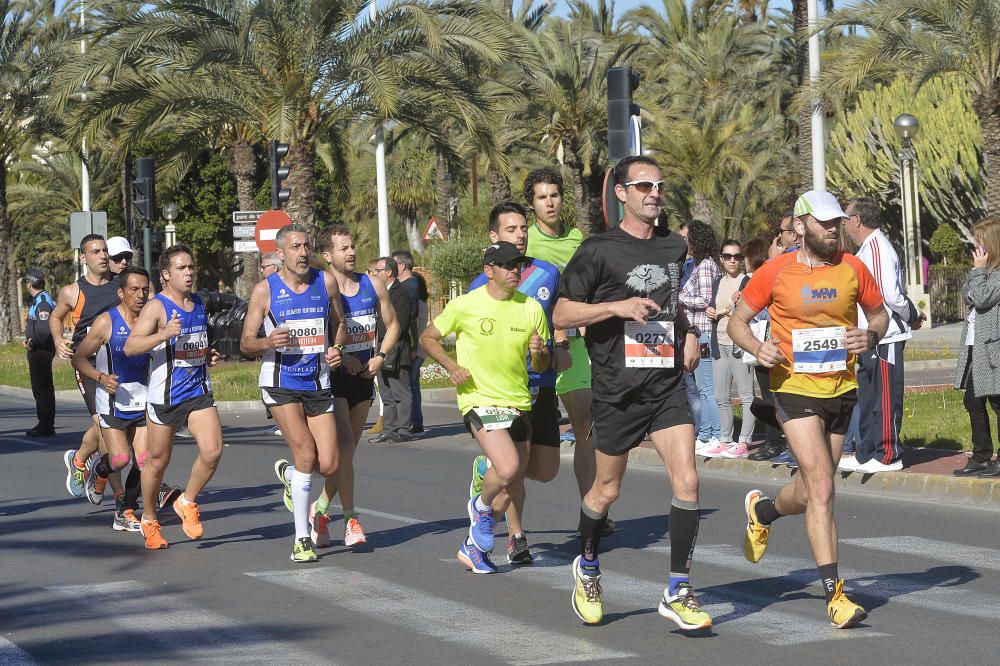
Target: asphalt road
74, 591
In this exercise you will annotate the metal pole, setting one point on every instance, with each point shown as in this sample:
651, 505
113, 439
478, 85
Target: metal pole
911, 216
147, 258
81, 269
380, 188
818, 140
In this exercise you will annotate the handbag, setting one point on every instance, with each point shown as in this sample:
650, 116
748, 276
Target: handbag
762, 331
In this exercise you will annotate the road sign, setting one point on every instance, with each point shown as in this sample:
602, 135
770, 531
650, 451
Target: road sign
433, 231
244, 246
243, 231
246, 216
267, 228
82, 223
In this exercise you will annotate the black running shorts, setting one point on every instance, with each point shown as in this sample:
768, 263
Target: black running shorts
177, 415
520, 429
620, 427
545, 418
88, 389
835, 413
313, 403
111, 422
352, 388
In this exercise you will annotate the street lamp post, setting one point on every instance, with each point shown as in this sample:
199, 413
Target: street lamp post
170, 231
907, 127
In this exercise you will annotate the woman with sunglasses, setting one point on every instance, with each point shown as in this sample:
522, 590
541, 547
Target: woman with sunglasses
728, 367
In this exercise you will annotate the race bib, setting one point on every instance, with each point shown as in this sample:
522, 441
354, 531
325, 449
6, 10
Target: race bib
819, 349
305, 336
534, 391
496, 418
191, 349
360, 333
649, 345
131, 397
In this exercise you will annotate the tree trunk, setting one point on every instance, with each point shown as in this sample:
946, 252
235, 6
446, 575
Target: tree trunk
301, 206
413, 234
800, 20
499, 186
990, 123
10, 316
581, 199
701, 210
243, 166
442, 193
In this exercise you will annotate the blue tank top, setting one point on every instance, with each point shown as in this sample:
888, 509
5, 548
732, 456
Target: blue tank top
129, 402
539, 280
301, 365
361, 314
179, 367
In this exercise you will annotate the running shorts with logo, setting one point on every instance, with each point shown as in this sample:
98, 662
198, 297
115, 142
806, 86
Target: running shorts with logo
313, 403
577, 377
177, 415
517, 422
352, 388
88, 389
621, 426
835, 413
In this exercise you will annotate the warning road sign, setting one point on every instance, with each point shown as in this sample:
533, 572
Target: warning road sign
433, 231
267, 229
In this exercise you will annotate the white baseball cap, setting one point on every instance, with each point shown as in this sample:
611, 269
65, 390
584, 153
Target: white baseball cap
118, 245
820, 204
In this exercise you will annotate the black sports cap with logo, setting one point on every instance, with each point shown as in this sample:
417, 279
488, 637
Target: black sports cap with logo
503, 254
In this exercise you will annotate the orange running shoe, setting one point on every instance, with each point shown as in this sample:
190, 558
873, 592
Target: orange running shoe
320, 524
190, 517
353, 534
151, 532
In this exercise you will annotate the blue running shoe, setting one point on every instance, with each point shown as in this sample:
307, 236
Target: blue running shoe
475, 559
785, 458
568, 436
481, 527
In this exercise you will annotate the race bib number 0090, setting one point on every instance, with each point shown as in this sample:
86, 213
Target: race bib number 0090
649, 345
360, 333
191, 350
496, 418
305, 336
817, 350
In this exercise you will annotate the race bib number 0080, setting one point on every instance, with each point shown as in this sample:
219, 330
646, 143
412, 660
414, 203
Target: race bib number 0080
817, 350
649, 345
305, 336
191, 350
496, 418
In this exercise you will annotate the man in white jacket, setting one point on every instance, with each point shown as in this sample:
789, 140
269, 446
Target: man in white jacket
879, 411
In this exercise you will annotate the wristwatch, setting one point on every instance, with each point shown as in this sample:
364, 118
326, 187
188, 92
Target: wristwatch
695, 330
562, 344
339, 347
380, 354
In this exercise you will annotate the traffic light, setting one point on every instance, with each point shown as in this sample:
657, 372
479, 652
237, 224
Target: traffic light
144, 189
622, 81
279, 194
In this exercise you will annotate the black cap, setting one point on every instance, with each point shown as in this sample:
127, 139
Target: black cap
502, 252
35, 276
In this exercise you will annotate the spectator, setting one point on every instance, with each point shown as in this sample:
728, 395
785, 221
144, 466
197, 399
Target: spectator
377, 427
977, 359
394, 378
404, 259
270, 264
687, 270
423, 296
41, 350
727, 358
696, 297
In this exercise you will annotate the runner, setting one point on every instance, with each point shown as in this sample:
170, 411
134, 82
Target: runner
299, 307
623, 286
365, 301
554, 242
495, 326
82, 302
812, 296
173, 330
508, 222
121, 393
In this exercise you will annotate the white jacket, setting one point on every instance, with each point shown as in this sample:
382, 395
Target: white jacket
877, 254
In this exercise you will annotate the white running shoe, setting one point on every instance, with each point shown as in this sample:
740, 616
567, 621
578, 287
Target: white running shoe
874, 466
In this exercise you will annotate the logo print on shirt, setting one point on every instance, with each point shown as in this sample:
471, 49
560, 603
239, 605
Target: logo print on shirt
821, 295
647, 278
486, 326
543, 294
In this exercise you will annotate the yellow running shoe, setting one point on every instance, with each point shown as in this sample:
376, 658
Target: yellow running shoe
843, 612
684, 609
587, 595
755, 539
303, 551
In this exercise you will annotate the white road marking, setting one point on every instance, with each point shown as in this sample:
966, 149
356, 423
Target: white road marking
12, 655
452, 621
932, 549
186, 631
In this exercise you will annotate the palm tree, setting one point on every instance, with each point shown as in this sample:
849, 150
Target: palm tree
30, 38
926, 39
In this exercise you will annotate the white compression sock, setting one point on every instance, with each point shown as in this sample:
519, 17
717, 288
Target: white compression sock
301, 485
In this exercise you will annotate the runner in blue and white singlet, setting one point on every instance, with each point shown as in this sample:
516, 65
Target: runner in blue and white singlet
178, 368
128, 403
300, 366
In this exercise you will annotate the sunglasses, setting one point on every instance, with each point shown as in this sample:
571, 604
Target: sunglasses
510, 265
645, 186
118, 258
788, 231
730, 257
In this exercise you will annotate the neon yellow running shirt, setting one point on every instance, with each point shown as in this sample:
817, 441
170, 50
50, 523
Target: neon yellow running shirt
491, 343
557, 250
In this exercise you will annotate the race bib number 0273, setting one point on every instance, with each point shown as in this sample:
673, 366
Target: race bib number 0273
305, 336
649, 345
817, 350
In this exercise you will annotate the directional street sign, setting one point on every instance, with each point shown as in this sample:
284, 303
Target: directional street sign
82, 223
267, 229
433, 231
244, 246
243, 231
246, 216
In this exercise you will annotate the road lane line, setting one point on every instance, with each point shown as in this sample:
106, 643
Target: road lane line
12, 655
932, 549
182, 629
429, 615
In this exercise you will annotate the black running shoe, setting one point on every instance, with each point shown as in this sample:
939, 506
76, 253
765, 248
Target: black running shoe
167, 496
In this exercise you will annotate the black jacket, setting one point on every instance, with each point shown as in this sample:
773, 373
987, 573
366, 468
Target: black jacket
400, 355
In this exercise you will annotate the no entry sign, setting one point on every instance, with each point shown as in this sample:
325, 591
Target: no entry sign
267, 228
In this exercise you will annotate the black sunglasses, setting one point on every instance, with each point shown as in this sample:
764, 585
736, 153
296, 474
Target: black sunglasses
511, 265
118, 258
729, 257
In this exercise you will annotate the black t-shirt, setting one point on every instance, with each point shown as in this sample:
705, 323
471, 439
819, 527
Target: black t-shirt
616, 266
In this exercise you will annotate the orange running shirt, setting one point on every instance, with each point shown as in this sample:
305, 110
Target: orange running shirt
798, 297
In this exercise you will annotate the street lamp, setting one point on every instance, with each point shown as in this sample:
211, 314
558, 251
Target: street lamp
170, 231
907, 127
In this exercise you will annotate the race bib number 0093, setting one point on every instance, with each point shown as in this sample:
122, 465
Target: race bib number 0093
496, 418
191, 349
305, 336
649, 345
817, 350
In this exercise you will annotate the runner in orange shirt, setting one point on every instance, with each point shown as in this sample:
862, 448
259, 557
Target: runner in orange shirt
812, 296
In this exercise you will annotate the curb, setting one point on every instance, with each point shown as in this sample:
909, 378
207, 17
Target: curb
934, 364
917, 485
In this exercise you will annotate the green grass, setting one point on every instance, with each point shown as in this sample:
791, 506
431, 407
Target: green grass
14, 369
928, 354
